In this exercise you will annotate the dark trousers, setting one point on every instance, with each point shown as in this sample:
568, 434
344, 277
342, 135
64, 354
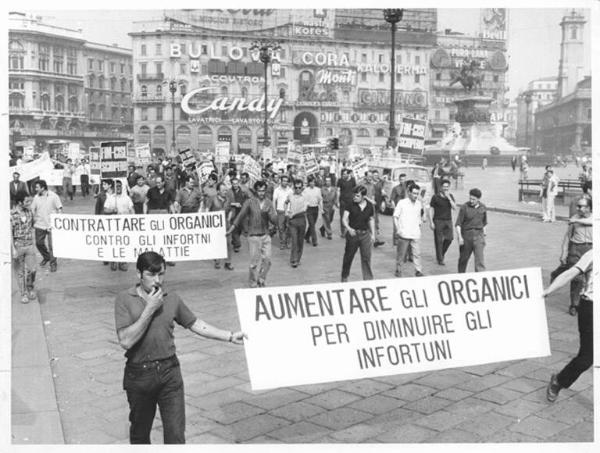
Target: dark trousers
312, 213
148, 385
236, 242
443, 236
342, 209
361, 240
297, 226
85, 185
575, 252
40, 243
138, 208
328, 213
474, 243
283, 229
585, 356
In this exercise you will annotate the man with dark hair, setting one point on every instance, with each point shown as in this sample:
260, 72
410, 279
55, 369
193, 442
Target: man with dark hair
408, 216
440, 219
132, 175
21, 240
280, 197
138, 194
44, 203
144, 320
329, 196
314, 204
158, 199
238, 198
209, 189
296, 213
345, 185
398, 193
245, 182
470, 229
585, 323
15, 187
260, 213
221, 202
358, 220
67, 182
188, 198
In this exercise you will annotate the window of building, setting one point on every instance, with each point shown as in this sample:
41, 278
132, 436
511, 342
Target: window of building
436, 114
101, 65
363, 58
223, 51
363, 132
417, 78
123, 85
144, 114
438, 76
44, 63
101, 82
495, 94
380, 133
158, 49
183, 88
282, 72
398, 77
159, 113
159, 91
204, 49
59, 103
113, 84
72, 67
16, 100
381, 76
574, 32
143, 50
282, 53
417, 59
90, 64
363, 76
16, 62
380, 58
158, 67
122, 65
144, 91
495, 78
182, 68
143, 68
57, 65
112, 67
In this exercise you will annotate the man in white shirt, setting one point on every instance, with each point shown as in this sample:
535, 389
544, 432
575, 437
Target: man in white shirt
124, 205
408, 216
548, 194
280, 195
314, 201
44, 203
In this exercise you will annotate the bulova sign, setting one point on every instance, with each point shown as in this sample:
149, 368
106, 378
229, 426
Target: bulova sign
226, 104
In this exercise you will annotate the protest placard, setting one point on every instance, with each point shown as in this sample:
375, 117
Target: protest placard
411, 138
95, 164
294, 154
53, 177
359, 169
310, 162
340, 331
142, 154
267, 154
251, 167
122, 238
187, 157
222, 152
113, 159
32, 169
74, 151
205, 169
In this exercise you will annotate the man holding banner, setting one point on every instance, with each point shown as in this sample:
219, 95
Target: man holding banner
144, 320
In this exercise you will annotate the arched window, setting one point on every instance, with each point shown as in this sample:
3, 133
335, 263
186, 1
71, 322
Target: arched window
144, 91
59, 103
380, 132
160, 135
123, 85
45, 101
362, 132
102, 112
244, 92
16, 100
204, 131
144, 134
158, 91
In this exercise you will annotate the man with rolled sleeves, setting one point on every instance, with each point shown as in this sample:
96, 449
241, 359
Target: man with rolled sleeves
470, 231
440, 218
297, 206
358, 220
144, 318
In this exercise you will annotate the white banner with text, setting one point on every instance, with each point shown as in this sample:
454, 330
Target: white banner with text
340, 331
122, 238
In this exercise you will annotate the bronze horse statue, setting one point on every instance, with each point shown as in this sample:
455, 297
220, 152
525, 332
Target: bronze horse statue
469, 76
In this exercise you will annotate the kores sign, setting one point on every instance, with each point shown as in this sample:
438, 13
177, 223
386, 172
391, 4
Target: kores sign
226, 104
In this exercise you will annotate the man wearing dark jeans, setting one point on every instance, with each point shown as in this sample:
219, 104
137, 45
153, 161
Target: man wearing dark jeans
144, 320
314, 204
296, 214
358, 220
440, 218
345, 185
44, 204
585, 323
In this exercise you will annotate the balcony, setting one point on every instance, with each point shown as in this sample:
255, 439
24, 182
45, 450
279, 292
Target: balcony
151, 76
150, 100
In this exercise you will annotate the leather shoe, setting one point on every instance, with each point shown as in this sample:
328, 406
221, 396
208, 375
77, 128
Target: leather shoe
419, 274
229, 266
552, 389
44, 262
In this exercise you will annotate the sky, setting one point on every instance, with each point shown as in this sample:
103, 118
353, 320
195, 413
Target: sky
533, 40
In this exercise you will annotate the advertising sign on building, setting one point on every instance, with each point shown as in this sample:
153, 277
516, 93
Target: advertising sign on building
404, 99
312, 334
113, 157
411, 137
122, 238
493, 23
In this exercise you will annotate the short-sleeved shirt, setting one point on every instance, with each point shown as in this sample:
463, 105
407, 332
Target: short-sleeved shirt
407, 216
471, 218
138, 193
346, 190
158, 341
585, 265
442, 208
189, 199
157, 200
22, 227
359, 218
42, 206
313, 196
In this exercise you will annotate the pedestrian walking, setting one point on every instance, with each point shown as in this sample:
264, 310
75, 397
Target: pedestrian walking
238, 197
23, 251
345, 185
329, 196
124, 206
314, 205
159, 200
548, 193
577, 241
297, 207
138, 194
359, 224
221, 202
513, 163
260, 214
45, 203
144, 319
281, 194
67, 181
585, 323
470, 231
189, 197
408, 216
16, 186
440, 215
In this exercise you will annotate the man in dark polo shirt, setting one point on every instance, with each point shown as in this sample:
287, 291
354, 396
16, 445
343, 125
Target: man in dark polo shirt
144, 316
158, 199
345, 185
188, 198
470, 229
440, 215
358, 220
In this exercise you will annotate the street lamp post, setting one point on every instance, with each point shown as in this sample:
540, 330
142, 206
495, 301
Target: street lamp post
173, 89
266, 51
393, 16
527, 103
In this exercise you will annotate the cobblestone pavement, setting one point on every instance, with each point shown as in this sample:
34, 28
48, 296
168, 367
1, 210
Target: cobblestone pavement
499, 402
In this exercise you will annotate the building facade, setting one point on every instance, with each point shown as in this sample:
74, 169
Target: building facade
539, 92
49, 91
331, 77
565, 126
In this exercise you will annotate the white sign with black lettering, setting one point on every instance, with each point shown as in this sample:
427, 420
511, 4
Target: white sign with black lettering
122, 238
339, 331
